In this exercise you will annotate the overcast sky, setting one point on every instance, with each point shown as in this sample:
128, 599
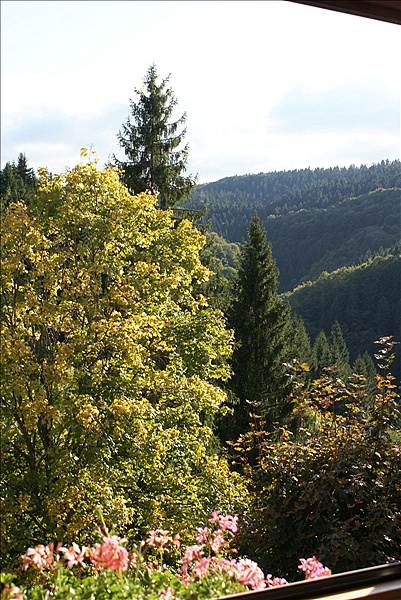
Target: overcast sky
267, 86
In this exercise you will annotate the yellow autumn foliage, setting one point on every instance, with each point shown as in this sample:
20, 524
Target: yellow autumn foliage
109, 366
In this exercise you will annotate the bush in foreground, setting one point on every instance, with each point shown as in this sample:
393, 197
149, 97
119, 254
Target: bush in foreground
333, 490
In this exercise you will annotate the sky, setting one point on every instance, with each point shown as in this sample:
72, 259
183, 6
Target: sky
267, 85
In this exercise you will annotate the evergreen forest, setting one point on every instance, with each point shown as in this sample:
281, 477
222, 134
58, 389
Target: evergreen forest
326, 227
209, 368
232, 201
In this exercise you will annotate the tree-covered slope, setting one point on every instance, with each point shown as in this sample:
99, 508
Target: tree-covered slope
232, 201
365, 300
308, 242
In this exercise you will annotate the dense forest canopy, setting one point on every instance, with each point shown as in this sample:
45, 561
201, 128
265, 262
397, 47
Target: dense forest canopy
337, 227
309, 242
365, 300
320, 225
232, 201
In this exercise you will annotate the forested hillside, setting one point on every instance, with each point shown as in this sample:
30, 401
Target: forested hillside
232, 201
321, 222
310, 242
365, 300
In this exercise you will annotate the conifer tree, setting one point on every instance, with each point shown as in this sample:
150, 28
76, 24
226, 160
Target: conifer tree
339, 352
260, 320
300, 341
156, 159
321, 354
17, 182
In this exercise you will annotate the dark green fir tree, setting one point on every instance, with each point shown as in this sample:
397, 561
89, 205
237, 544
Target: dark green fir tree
321, 355
300, 341
17, 182
339, 352
156, 158
261, 322
364, 366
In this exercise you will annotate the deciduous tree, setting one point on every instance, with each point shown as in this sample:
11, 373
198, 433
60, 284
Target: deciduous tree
109, 365
332, 491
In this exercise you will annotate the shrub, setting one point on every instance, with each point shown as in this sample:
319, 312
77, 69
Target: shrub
335, 493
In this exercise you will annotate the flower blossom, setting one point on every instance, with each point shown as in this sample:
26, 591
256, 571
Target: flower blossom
166, 594
41, 556
161, 538
228, 523
247, 572
192, 553
225, 522
225, 565
215, 516
214, 539
110, 554
200, 567
313, 569
158, 537
217, 541
203, 534
12, 592
275, 581
74, 555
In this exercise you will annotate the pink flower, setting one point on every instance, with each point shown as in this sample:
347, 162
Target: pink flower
166, 594
193, 556
74, 555
110, 554
275, 581
159, 537
192, 553
203, 534
215, 516
227, 522
313, 569
225, 565
201, 567
217, 541
12, 592
40, 556
214, 539
35, 558
248, 573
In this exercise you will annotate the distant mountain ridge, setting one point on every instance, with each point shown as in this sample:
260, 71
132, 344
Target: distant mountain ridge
317, 220
279, 192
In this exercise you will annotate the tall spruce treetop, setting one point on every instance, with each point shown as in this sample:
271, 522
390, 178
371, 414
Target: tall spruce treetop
152, 144
261, 322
